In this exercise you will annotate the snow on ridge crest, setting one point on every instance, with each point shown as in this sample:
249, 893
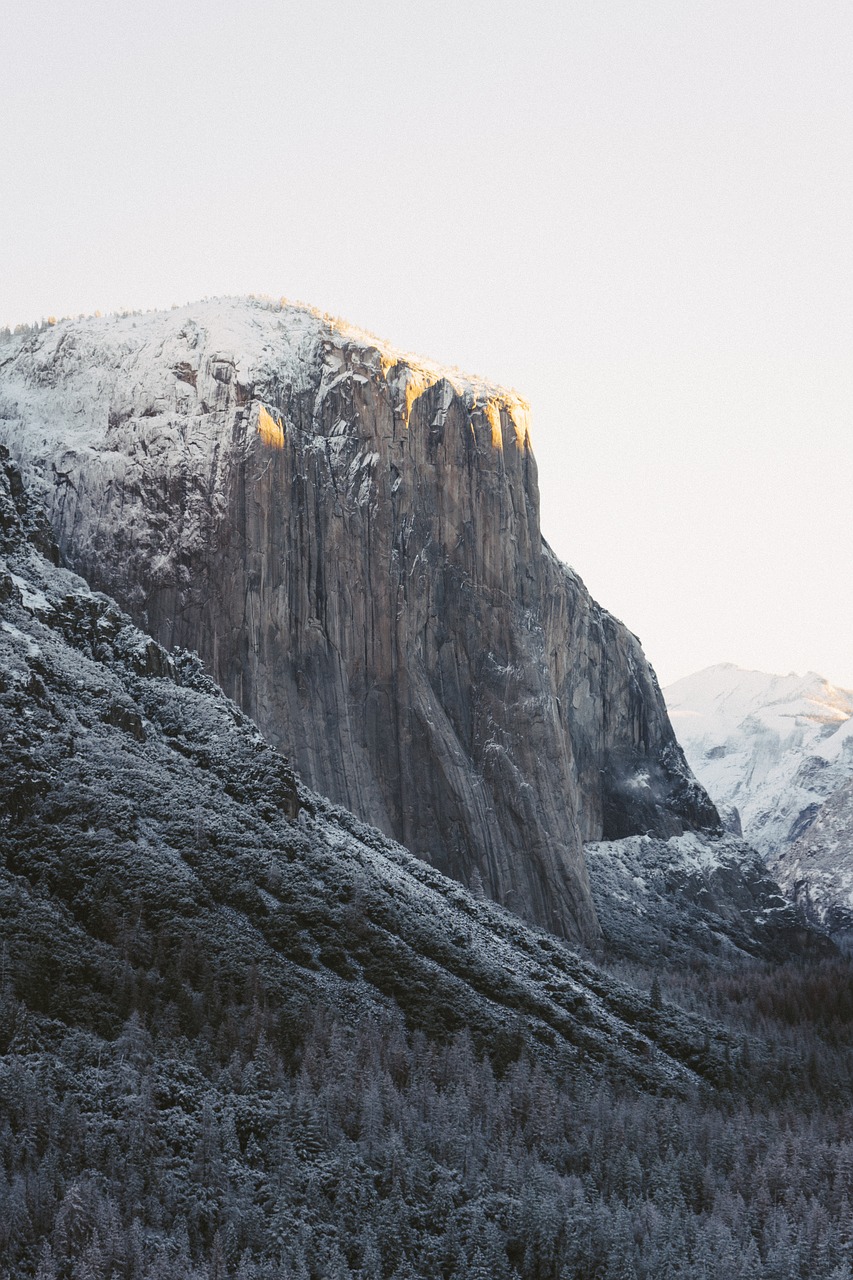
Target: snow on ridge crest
242, 328
727, 695
772, 746
77, 383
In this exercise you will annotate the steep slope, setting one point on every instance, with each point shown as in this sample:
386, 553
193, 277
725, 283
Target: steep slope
773, 747
154, 846
351, 540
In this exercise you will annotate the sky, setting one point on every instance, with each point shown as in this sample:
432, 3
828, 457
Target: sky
638, 215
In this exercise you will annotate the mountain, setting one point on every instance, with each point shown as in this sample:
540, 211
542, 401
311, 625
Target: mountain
137, 802
776, 752
773, 747
350, 539
243, 1035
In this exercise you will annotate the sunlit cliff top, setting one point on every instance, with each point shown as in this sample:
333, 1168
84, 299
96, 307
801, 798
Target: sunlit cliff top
241, 327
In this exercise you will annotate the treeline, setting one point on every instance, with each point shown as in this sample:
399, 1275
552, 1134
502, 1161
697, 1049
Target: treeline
48, 322
269, 1146
26, 330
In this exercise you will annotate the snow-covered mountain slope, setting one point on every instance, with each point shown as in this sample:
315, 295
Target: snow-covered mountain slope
350, 539
773, 747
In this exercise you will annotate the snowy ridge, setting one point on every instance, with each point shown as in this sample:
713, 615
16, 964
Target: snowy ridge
172, 401
774, 747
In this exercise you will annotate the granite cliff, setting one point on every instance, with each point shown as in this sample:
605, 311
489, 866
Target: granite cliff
350, 538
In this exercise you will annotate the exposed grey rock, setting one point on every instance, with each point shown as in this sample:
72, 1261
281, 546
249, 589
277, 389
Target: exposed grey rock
351, 541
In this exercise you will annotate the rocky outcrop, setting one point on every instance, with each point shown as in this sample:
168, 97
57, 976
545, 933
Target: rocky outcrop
691, 900
351, 541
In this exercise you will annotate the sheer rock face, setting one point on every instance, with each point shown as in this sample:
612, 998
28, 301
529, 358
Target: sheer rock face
351, 541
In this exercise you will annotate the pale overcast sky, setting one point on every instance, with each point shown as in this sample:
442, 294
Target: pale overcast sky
638, 214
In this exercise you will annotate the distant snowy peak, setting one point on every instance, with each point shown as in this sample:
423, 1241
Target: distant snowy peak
718, 701
774, 747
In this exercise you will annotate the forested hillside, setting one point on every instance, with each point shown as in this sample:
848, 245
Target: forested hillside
246, 1037
236, 1145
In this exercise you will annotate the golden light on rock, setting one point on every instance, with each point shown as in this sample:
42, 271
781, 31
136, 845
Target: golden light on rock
270, 429
492, 411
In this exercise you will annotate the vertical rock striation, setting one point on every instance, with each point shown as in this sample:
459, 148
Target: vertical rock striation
351, 541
